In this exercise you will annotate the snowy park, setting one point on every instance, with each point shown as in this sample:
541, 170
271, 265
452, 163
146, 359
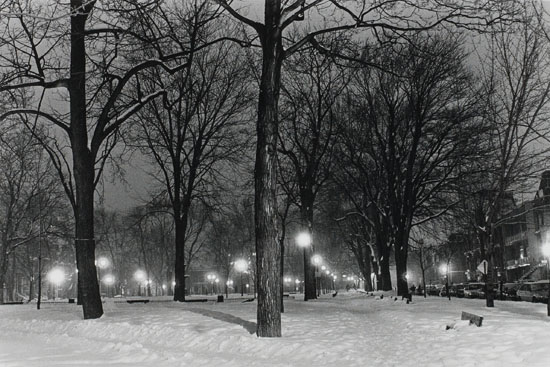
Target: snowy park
351, 329
269, 183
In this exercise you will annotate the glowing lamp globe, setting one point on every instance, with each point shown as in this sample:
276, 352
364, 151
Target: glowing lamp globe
241, 265
140, 275
303, 239
103, 262
56, 276
108, 279
316, 260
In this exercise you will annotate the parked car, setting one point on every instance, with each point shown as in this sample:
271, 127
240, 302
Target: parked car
460, 290
474, 290
433, 289
455, 290
534, 291
510, 291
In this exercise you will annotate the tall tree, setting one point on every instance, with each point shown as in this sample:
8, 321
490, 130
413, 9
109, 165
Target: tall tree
392, 17
310, 90
414, 116
102, 92
517, 90
28, 197
196, 129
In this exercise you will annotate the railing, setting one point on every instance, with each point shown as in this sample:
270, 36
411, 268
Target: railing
517, 263
509, 240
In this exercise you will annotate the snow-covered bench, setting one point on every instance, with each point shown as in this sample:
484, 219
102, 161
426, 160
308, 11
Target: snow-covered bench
474, 319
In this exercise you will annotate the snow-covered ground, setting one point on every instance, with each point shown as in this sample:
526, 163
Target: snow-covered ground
351, 329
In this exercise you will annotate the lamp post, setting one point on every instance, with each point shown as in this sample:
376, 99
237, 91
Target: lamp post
211, 278
139, 276
322, 284
228, 284
101, 263
56, 276
546, 253
445, 270
109, 280
241, 266
317, 260
303, 240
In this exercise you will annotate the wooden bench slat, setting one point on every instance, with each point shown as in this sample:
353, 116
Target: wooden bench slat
474, 319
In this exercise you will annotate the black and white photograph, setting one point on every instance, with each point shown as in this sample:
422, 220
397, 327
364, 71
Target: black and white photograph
283, 183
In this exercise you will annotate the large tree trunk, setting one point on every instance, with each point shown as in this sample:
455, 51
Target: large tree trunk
366, 268
383, 250
268, 249
83, 165
401, 248
179, 266
84, 241
282, 271
401, 268
3, 269
306, 199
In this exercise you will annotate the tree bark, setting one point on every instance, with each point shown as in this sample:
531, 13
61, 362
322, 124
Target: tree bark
307, 199
383, 252
401, 268
366, 268
179, 266
268, 250
282, 271
83, 165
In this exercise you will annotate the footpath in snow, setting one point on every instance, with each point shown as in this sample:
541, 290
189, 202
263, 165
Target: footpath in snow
352, 329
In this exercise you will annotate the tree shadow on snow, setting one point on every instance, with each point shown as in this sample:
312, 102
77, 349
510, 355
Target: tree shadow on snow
248, 325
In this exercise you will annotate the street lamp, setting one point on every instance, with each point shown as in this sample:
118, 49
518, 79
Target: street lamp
109, 280
546, 253
303, 240
445, 270
56, 276
241, 266
317, 260
287, 280
211, 278
140, 276
101, 263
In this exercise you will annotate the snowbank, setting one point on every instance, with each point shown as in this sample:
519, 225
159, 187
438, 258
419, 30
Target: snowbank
352, 329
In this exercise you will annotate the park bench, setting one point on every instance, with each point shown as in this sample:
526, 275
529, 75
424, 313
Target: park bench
197, 300
474, 319
137, 301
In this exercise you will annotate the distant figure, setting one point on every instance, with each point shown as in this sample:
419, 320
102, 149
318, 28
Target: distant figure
347, 287
413, 288
419, 289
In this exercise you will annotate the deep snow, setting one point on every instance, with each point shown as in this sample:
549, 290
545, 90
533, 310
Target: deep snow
351, 329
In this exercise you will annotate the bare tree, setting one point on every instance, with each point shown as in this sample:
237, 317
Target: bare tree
29, 198
517, 93
195, 131
392, 17
414, 120
102, 91
311, 86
